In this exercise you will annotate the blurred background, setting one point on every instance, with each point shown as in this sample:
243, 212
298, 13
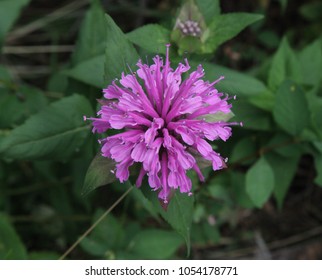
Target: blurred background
42, 211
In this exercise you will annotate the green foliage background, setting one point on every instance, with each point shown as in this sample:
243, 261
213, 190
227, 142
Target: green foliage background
53, 185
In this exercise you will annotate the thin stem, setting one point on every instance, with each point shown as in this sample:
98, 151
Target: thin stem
71, 248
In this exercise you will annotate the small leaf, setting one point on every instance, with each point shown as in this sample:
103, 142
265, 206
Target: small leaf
226, 26
260, 182
89, 56
99, 173
152, 37
91, 40
284, 65
291, 108
53, 133
155, 244
119, 54
11, 247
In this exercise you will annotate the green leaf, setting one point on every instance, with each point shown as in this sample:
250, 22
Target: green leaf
245, 112
209, 9
155, 244
99, 173
89, 56
244, 149
119, 54
33, 98
147, 204
152, 37
285, 145
18, 106
226, 26
260, 182
54, 133
311, 63
90, 71
11, 110
284, 172
9, 12
284, 65
92, 36
236, 83
239, 190
11, 247
291, 108
179, 215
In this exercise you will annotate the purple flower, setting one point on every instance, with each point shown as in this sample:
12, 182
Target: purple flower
165, 124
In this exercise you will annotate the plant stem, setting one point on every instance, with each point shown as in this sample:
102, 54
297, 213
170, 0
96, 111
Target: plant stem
71, 248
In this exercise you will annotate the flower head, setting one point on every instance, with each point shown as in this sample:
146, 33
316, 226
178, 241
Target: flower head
189, 27
163, 122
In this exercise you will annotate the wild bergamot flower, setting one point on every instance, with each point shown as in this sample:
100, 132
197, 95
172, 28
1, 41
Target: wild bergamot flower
162, 124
